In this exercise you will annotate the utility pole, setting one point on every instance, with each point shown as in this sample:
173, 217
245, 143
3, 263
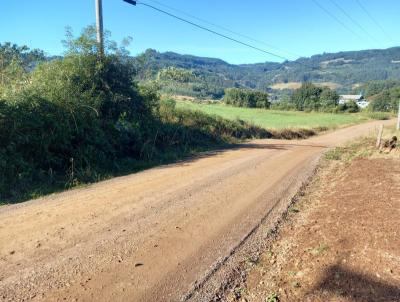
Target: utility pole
99, 25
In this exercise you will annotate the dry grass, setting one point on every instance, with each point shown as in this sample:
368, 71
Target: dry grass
296, 85
283, 86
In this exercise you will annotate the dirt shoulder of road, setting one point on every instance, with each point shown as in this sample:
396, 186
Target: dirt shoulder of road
340, 241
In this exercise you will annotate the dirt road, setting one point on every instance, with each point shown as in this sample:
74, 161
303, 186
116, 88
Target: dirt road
152, 235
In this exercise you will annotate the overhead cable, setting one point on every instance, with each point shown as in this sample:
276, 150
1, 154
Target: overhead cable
225, 28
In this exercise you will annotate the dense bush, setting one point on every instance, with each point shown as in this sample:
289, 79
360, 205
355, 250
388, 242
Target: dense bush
82, 118
74, 119
349, 107
246, 98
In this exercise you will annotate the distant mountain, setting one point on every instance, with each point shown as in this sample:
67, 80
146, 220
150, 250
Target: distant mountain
343, 70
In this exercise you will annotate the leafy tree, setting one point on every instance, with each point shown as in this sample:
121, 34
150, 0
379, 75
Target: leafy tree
329, 99
246, 98
15, 63
307, 97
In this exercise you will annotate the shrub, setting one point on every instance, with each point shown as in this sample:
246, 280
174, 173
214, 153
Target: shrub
349, 107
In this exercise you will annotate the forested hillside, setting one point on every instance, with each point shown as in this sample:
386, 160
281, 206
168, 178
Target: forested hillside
343, 71
208, 77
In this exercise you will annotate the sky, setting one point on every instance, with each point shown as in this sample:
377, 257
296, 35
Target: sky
288, 28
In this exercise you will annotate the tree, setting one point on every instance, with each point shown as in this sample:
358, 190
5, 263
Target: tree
329, 99
246, 98
15, 63
307, 97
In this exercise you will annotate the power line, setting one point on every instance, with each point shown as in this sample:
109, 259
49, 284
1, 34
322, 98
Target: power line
211, 31
225, 28
335, 18
373, 19
353, 20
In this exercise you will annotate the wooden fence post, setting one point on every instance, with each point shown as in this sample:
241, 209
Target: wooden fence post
379, 139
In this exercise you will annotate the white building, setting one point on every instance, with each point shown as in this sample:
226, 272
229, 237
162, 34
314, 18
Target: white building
358, 98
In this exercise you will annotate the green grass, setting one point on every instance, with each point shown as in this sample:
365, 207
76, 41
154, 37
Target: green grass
271, 119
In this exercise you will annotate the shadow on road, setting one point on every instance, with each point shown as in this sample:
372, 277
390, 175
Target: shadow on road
243, 146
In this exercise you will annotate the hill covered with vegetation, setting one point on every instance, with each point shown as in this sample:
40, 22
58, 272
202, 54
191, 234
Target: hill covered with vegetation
343, 71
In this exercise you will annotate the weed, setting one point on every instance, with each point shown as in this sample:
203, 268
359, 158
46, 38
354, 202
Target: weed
363, 147
269, 253
334, 154
272, 298
252, 261
293, 209
320, 249
240, 292
292, 274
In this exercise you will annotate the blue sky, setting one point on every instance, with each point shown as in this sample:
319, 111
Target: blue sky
293, 26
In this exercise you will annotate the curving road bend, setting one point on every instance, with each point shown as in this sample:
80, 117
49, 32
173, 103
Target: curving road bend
151, 236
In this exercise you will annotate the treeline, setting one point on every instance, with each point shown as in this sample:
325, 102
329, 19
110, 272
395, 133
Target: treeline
310, 97
82, 118
246, 98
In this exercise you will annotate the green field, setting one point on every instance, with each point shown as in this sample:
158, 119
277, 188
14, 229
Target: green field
271, 119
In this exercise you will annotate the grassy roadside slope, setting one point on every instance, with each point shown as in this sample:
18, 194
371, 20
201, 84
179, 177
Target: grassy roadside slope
175, 135
271, 119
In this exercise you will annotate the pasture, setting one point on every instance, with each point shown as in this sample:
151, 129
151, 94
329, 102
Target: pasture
272, 119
